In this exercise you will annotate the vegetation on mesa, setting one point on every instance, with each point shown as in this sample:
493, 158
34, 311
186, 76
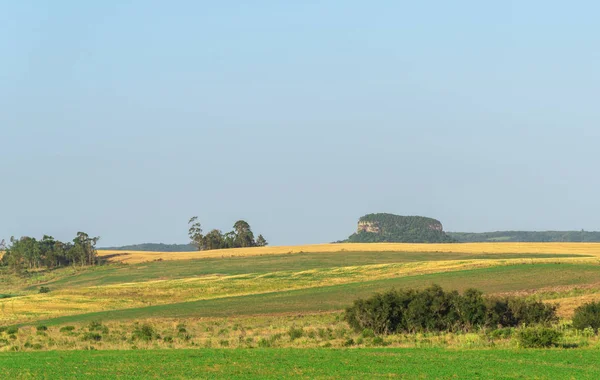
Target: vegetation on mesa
378, 228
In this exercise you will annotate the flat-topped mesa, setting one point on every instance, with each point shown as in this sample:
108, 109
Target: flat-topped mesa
397, 228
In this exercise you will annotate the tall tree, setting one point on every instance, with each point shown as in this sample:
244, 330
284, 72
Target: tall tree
214, 240
244, 235
85, 248
195, 233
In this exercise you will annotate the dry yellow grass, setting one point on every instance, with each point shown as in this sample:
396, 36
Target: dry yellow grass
132, 257
79, 300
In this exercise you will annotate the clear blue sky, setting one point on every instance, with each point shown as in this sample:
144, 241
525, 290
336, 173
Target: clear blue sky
125, 118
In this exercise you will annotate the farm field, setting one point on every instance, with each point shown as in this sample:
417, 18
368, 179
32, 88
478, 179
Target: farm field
279, 312
303, 363
306, 282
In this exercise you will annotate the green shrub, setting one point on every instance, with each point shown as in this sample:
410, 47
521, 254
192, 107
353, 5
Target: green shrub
349, 342
67, 329
92, 336
433, 309
587, 316
3, 329
531, 311
503, 333
378, 341
538, 337
224, 343
44, 289
97, 326
368, 333
12, 330
264, 343
37, 346
42, 328
144, 332
295, 333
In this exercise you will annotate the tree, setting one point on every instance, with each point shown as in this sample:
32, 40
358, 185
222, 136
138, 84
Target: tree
244, 236
241, 236
261, 241
195, 233
214, 240
85, 248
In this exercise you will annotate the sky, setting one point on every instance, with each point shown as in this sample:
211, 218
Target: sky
125, 118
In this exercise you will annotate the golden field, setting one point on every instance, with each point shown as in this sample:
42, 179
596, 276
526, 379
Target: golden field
132, 257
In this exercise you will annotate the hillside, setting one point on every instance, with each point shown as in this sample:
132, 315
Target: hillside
390, 228
527, 236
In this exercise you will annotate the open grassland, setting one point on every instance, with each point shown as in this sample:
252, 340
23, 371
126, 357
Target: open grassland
592, 249
323, 330
306, 363
494, 279
302, 281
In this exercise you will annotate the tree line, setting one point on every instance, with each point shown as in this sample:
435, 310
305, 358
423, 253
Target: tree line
241, 236
29, 253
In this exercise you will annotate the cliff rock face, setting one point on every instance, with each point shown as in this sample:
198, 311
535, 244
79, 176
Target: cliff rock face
396, 228
368, 227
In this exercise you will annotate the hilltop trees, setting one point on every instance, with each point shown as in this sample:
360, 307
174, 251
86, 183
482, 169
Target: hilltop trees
30, 253
241, 236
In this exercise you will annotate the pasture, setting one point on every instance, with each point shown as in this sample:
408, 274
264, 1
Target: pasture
248, 306
305, 363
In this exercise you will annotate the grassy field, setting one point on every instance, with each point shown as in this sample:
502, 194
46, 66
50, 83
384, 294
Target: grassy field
473, 248
304, 363
495, 279
277, 312
306, 282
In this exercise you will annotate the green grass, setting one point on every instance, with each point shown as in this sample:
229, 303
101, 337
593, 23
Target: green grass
303, 363
328, 298
115, 274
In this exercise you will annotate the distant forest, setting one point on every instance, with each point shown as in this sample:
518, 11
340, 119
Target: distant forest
526, 236
155, 247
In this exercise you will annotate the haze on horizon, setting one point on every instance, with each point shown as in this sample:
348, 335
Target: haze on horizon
124, 120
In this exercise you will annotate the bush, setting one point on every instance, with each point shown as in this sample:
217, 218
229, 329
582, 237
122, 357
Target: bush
295, 333
67, 329
349, 342
41, 328
97, 326
531, 311
12, 330
44, 289
433, 309
264, 343
587, 316
144, 332
538, 337
368, 333
92, 336
504, 333
378, 341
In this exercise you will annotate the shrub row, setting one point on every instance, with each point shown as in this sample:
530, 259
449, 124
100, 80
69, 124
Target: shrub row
433, 309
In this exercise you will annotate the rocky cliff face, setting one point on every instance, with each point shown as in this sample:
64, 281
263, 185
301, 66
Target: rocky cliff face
368, 227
